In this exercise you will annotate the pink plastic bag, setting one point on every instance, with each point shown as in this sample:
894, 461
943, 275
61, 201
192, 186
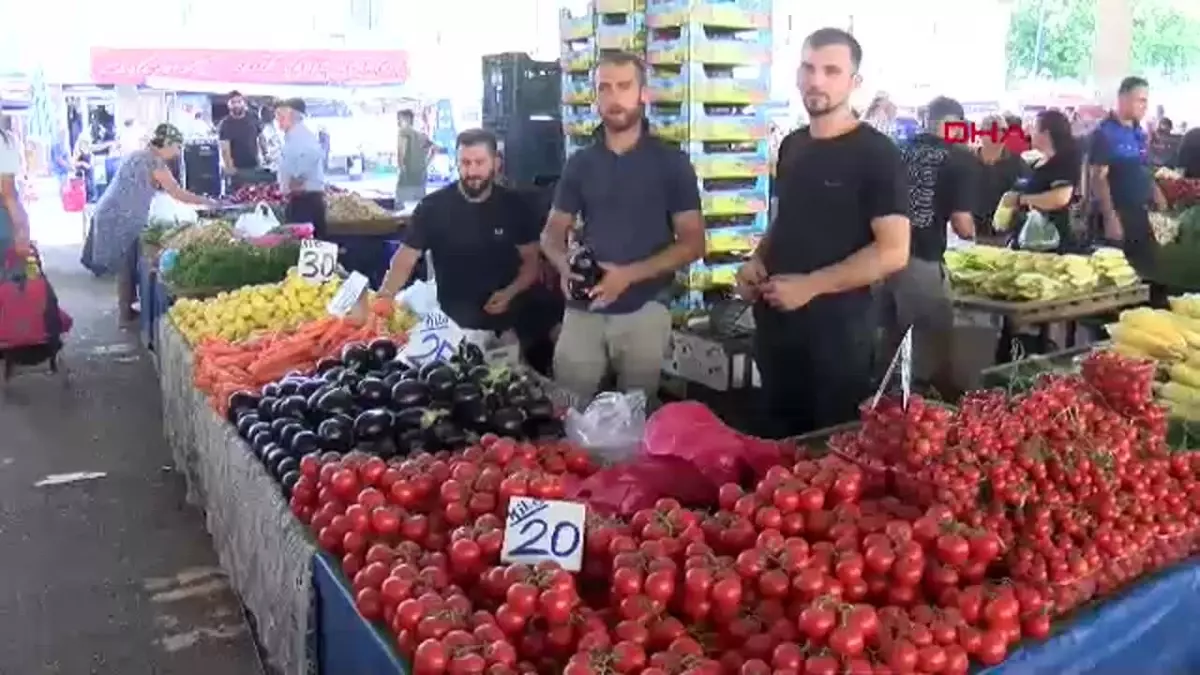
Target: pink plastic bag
689, 430
630, 486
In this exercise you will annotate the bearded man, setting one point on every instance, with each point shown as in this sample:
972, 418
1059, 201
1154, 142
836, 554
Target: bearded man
480, 237
636, 202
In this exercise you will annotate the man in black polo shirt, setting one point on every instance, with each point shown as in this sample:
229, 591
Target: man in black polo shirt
840, 226
639, 205
1121, 183
483, 239
939, 176
238, 134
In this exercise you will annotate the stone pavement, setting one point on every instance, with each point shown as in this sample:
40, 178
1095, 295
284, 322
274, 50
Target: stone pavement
112, 574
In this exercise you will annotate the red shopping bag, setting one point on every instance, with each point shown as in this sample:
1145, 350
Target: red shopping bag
29, 311
74, 195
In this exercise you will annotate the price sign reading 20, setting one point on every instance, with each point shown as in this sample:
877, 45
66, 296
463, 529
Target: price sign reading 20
544, 529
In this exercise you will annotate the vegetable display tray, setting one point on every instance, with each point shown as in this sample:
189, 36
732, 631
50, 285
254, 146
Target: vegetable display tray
367, 227
1067, 308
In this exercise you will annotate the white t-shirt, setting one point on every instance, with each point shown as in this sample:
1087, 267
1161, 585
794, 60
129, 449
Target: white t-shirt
10, 156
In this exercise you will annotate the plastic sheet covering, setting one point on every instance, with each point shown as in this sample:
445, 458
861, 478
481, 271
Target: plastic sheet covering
261, 546
1148, 631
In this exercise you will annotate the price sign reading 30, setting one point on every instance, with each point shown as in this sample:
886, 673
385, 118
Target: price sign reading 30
318, 260
544, 529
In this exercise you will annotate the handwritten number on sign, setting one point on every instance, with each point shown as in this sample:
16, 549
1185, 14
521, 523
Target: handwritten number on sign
313, 264
558, 547
433, 348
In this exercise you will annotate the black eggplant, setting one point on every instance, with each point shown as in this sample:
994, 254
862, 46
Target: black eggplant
287, 433
287, 465
410, 394
314, 399
382, 350
308, 387
245, 421
356, 356
395, 365
441, 381
423, 371
256, 428
410, 374
508, 421
327, 363
348, 379
241, 402
582, 262
288, 482
478, 374
410, 418
289, 386
271, 389
539, 409
473, 415
492, 401
392, 378
517, 395
469, 354
444, 433
551, 428
372, 425
336, 433
372, 393
293, 406
411, 441
260, 440
302, 442
265, 450
466, 392
278, 424
334, 374
266, 407
374, 375
272, 460
337, 401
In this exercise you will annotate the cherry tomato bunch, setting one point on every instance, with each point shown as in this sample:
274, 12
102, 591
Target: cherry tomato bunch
911, 435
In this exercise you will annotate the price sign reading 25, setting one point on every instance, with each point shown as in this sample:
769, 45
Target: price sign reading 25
435, 339
544, 529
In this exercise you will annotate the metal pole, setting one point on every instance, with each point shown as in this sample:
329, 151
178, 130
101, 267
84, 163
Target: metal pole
1040, 36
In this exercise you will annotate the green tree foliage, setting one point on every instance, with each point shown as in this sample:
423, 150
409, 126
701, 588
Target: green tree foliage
1166, 41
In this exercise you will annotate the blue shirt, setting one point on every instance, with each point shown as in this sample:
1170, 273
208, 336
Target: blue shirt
302, 159
1125, 151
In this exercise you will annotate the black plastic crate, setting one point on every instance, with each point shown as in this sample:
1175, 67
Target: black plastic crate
517, 87
532, 151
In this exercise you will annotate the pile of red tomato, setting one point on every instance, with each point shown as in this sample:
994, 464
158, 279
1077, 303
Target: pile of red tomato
1032, 506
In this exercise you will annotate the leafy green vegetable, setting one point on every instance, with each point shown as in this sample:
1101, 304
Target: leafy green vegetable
209, 266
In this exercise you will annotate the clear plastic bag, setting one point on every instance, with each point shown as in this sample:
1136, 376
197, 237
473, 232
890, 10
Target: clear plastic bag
1038, 233
611, 427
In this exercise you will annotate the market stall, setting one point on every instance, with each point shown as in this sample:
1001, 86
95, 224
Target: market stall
700, 545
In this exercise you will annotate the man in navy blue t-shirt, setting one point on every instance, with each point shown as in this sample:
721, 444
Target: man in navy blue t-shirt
1122, 185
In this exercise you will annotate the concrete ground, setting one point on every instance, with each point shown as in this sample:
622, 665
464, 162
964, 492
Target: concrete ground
112, 574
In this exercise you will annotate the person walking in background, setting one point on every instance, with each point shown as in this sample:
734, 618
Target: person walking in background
413, 152
301, 168
14, 221
323, 139
1120, 180
270, 140
1188, 159
122, 212
998, 172
60, 163
82, 163
881, 115
637, 202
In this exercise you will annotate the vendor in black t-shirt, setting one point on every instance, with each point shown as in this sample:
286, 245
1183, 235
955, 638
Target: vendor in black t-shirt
841, 226
1054, 182
483, 241
239, 137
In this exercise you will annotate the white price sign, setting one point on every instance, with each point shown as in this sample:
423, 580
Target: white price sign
348, 295
544, 529
903, 361
318, 260
436, 338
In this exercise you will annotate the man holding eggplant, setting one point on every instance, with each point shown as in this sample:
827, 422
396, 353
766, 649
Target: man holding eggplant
841, 226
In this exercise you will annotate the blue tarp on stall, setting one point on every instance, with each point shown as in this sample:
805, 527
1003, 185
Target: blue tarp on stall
1146, 631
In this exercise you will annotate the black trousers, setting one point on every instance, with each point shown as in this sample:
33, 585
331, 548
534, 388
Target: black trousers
815, 363
307, 207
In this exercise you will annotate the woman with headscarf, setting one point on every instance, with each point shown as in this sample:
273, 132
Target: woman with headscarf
124, 209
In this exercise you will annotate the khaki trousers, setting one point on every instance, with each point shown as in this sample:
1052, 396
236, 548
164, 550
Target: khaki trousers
631, 345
